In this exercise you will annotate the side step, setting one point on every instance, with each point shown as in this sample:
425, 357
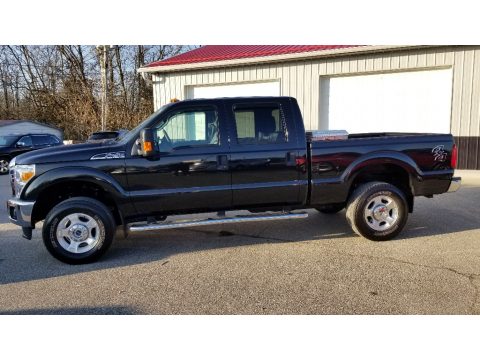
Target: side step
214, 221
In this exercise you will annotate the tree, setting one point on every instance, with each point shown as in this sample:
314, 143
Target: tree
61, 85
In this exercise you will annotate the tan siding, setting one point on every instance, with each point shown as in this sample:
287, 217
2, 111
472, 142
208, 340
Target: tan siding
475, 115
422, 60
467, 93
457, 92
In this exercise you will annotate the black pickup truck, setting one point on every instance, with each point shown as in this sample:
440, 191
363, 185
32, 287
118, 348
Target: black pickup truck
218, 155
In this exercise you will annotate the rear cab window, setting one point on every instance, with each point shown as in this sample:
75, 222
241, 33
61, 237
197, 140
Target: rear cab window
262, 123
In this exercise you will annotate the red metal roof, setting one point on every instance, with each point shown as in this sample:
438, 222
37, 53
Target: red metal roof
210, 53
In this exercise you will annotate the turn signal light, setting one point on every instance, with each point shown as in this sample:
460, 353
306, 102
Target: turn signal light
27, 175
147, 146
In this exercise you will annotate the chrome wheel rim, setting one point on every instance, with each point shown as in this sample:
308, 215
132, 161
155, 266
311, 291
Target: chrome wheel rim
3, 166
78, 233
381, 213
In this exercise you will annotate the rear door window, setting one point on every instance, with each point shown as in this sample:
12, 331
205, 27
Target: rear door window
260, 124
41, 140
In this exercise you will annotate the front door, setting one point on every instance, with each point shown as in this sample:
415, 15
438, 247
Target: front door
191, 171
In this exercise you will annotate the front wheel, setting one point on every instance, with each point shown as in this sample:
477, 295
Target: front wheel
377, 211
78, 230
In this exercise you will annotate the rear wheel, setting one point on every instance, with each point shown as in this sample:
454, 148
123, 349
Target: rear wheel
377, 211
4, 166
78, 230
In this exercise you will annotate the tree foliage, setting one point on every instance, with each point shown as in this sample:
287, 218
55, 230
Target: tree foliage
61, 85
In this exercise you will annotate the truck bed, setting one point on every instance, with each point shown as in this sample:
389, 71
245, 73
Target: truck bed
336, 164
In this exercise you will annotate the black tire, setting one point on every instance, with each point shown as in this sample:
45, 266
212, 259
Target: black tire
83, 205
3, 169
330, 209
363, 197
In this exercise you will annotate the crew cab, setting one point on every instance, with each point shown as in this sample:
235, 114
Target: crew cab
218, 155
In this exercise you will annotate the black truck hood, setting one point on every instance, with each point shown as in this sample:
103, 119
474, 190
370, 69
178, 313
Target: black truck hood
68, 153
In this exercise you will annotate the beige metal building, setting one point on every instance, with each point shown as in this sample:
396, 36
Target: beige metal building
358, 88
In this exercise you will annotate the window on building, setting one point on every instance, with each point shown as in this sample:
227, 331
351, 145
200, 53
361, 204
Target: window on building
260, 124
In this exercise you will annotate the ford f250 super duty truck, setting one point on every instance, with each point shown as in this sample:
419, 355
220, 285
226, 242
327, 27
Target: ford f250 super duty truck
217, 155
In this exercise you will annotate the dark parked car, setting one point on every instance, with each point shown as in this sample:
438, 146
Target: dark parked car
199, 156
100, 136
13, 145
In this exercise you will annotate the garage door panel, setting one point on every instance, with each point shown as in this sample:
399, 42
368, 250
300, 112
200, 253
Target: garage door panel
415, 101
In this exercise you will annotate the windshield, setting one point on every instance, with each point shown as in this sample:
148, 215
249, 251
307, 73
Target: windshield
7, 140
134, 132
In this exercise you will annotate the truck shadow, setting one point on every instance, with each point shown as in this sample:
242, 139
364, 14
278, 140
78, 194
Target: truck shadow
21, 260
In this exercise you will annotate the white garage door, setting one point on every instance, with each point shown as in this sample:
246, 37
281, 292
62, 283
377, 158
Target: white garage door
415, 101
271, 88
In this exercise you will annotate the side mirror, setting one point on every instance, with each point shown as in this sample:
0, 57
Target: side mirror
147, 142
20, 145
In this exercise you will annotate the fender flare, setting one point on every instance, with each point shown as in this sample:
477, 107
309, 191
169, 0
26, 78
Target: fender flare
384, 158
71, 174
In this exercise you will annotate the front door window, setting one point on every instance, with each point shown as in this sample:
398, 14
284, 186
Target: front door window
186, 129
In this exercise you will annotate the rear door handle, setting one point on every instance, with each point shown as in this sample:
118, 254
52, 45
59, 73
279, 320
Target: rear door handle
290, 158
222, 162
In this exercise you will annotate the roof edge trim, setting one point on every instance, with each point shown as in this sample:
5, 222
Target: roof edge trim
275, 58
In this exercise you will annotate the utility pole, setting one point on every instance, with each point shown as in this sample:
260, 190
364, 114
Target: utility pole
102, 51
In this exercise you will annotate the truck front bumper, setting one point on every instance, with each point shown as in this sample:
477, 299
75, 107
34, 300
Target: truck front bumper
455, 184
20, 212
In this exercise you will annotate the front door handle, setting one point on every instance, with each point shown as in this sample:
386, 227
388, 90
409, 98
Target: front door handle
222, 162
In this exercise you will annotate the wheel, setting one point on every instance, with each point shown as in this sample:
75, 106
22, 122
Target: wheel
78, 230
4, 166
331, 209
377, 211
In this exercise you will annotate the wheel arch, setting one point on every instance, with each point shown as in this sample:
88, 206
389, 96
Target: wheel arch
394, 168
57, 185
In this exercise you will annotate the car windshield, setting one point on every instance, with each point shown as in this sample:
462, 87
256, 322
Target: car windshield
7, 140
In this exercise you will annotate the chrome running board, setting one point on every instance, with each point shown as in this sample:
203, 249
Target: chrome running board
214, 221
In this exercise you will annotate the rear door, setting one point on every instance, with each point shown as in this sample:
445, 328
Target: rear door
263, 153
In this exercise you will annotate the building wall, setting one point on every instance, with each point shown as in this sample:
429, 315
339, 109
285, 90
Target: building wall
301, 79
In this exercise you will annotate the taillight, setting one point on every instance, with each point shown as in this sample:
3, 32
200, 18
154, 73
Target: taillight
454, 157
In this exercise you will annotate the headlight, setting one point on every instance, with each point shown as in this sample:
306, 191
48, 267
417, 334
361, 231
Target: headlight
21, 176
